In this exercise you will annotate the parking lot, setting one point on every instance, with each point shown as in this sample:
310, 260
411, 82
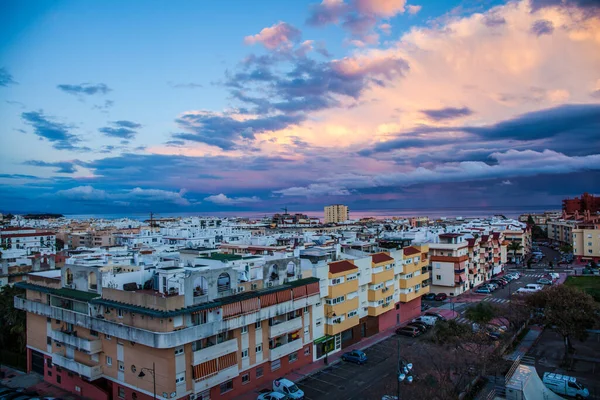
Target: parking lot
347, 381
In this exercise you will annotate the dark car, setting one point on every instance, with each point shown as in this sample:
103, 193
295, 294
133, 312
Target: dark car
355, 356
441, 296
429, 296
422, 327
411, 331
499, 281
437, 315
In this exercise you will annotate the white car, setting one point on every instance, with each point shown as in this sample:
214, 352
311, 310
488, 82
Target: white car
289, 388
272, 396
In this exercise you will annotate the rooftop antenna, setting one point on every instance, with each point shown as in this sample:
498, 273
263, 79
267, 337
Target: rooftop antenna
285, 209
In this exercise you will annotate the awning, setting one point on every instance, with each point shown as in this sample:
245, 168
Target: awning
299, 292
312, 288
232, 309
268, 300
250, 305
226, 361
205, 370
322, 339
284, 295
460, 278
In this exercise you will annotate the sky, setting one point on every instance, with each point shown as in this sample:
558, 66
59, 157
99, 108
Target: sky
199, 106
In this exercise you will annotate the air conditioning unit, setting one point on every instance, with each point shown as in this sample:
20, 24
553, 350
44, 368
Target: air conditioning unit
269, 284
241, 289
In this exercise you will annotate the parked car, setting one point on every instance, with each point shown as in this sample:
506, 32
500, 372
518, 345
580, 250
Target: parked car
288, 388
483, 290
411, 331
436, 315
268, 395
492, 286
426, 319
565, 385
544, 281
422, 327
441, 296
355, 356
500, 282
429, 296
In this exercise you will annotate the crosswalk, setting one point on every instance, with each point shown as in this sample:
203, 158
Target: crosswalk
535, 275
463, 320
496, 300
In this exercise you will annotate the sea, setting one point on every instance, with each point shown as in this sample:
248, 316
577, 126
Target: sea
452, 212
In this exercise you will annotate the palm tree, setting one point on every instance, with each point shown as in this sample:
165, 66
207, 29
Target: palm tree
514, 247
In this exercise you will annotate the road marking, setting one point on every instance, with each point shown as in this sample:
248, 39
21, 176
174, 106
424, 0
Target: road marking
320, 380
312, 387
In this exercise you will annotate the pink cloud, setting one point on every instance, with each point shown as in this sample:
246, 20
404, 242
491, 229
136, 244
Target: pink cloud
386, 28
412, 10
278, 35
381, 8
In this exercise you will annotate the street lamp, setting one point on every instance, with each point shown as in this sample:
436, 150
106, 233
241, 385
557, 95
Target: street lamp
404, 370
152, 371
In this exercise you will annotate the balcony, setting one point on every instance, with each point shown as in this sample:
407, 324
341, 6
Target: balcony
90, 346
160, 340
91, 372
216, 379
215, 351
334, 329
285, 349
285, 327
415, 280
406, 297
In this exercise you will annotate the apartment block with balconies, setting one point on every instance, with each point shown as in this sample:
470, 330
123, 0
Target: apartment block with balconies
449, 257
207, 330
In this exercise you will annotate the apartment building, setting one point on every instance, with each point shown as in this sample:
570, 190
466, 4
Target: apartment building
28, 239
586, 242
449, 261
336, 213
199, 332
520, 235
561, 231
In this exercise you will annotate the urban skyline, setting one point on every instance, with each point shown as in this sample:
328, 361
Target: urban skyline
119, 107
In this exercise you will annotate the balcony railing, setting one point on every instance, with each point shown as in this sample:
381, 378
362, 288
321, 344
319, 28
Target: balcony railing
90, 372
285, 349
82, 344
160, 340
285, 327
216, 379
215, 351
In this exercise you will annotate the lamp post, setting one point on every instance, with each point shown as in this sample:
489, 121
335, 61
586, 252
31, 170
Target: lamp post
153, 372
404, 370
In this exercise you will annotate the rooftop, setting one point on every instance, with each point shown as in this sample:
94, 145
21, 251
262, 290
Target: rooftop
341, 266
380, 258
411, 251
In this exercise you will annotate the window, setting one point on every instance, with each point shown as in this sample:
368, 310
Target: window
108, 360
319, 321
121, 392
389, 266
352, 313
58, 379
259, 372
245, 353
293, 357
226, 386
120, 313
337, 281
438, 277
258, 348
180, 378
305, 309
93, 333
178, 350
49, 373
337, 300
244, 329
107, 337
257, 325
121, 366
589, 243
275, 365
245, 379
48, 340
307, 351
49, 362
438, 265
352, 277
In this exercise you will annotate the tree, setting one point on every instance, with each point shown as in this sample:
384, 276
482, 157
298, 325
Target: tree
530, 220
570, 311
566, 248
60, 244
12, 321
481, 313
515, 247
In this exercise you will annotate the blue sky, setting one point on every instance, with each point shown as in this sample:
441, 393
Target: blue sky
213, 106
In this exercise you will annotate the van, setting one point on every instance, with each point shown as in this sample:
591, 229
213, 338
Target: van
554, 275
426, 319
534, 287
288, 388
567, 385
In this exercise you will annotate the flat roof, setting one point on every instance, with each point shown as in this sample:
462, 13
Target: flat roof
53, 273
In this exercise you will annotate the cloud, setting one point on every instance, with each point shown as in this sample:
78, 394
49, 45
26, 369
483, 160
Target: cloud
88, 193
55, 132
88, 89
188, 85
447, 113
582, 4
385, 28
222, 130
62, 167
542, 27
104, 107
327, 12
279, 35
121, 129
314, 190
412, 10
6, 78
224, 200
380, 8
506, 182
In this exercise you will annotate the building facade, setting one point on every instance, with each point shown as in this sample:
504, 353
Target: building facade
586, 243
336, 213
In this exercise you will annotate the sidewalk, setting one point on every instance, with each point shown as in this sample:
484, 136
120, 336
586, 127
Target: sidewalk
33, 383
527, 343
303, 372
